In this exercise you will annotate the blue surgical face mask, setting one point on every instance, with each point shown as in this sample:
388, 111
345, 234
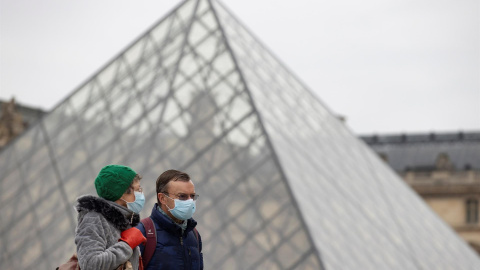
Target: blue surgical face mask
183, 210
138, 204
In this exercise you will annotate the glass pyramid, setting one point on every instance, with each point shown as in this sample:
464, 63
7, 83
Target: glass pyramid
283, 183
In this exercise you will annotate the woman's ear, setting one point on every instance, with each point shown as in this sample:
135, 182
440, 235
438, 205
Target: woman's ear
121, 201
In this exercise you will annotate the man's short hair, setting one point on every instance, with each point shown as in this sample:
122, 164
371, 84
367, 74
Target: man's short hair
167, 177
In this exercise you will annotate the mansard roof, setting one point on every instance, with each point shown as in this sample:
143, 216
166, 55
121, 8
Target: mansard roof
421, 151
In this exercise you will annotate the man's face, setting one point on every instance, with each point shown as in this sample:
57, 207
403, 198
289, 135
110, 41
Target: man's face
177, 190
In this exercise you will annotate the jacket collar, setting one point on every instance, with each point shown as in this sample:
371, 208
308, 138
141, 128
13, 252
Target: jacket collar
119, 216
168, 224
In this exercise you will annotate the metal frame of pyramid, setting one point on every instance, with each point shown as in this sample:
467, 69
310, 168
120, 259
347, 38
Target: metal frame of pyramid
283, 183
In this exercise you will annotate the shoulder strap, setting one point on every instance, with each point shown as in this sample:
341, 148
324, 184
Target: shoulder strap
196, 236
151, 235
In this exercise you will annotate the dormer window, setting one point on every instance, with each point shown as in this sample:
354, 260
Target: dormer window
443, 162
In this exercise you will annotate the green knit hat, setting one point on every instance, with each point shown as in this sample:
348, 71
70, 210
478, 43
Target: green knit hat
113, 180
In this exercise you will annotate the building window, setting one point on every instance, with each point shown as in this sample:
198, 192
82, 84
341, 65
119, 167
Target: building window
472, 211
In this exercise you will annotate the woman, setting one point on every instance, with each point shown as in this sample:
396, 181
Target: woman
106, 236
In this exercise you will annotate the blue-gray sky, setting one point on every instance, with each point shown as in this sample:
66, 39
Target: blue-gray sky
387, 66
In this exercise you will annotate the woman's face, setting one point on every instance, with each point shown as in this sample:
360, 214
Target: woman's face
131, 197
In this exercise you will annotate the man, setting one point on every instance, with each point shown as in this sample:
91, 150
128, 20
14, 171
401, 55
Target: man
105, 235
178, 244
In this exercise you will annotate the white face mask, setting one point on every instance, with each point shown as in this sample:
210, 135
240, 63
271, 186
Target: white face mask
183, 210
137, 205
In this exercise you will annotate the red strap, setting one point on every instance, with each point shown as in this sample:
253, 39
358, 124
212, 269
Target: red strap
151, 235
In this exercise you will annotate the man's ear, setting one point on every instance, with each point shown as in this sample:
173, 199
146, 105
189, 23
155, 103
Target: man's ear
161, 198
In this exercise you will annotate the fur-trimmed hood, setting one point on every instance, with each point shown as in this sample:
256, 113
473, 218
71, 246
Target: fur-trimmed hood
119, 216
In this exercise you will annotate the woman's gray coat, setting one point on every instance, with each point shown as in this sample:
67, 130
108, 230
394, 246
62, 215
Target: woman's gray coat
100, 223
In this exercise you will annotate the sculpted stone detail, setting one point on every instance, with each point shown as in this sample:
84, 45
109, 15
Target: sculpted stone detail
11, 122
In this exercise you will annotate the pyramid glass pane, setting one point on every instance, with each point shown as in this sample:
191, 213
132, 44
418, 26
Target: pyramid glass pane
283, 184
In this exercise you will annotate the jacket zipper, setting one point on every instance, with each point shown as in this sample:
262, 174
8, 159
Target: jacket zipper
181, 243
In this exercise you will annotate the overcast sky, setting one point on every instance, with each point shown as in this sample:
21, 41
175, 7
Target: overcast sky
387, 66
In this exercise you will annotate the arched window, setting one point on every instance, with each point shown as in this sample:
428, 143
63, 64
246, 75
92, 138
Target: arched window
472, 211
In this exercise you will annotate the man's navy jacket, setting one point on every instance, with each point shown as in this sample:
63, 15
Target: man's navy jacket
174, 250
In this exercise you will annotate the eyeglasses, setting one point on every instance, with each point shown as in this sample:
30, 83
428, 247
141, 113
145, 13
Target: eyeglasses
183, 196
131, 188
